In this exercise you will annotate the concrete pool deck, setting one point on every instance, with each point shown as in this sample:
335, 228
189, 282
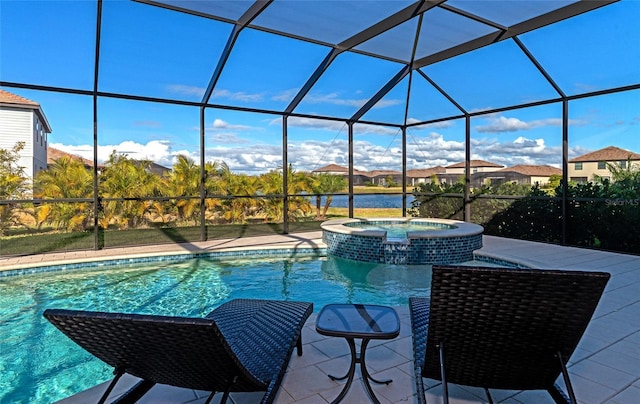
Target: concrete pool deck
604, 369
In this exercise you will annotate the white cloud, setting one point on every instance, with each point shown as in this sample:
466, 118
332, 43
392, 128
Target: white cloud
335, 126
423, 151
335, 99
237, 96
220, 124
186, 90
227, 138
286, 95
158, 151
501, 124
436, 125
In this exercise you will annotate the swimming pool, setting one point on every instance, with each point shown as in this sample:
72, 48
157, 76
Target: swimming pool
39, 364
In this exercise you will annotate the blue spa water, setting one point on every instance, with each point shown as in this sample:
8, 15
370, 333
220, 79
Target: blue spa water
38, 364
395, 230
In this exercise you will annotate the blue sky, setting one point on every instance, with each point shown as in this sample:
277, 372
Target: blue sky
159, 53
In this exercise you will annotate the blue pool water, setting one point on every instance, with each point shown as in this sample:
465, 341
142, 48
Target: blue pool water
40, 365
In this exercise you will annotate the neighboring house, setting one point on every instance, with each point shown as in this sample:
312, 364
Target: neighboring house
592, 165
417, 176
333, 169
477, 166
523, 174
383, 177
375, 177
158, 170
359, 177
454, 172
55, 154
22, 120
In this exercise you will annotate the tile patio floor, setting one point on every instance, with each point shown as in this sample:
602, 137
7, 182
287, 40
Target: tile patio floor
604, 369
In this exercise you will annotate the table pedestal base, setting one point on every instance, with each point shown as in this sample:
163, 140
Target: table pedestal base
360, 359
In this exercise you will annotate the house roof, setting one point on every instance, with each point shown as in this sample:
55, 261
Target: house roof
333, 168
55, 154
8, 99
475, 163
378, 173
158, 169
610, 153
533, 170
425, 172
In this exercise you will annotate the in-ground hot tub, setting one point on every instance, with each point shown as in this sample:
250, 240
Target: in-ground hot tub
407, 241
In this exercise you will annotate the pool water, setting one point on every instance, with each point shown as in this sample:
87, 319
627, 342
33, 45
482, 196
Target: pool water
38, 364
396, 230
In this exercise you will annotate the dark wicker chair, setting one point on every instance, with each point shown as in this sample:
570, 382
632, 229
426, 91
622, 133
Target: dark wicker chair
501, 328
242, 346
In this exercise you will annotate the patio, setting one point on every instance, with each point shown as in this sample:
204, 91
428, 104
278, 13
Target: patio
604, 368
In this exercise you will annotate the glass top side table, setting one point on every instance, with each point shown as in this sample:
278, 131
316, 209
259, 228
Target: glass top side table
363, 321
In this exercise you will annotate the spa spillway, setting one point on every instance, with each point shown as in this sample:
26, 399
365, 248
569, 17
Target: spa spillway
402, 241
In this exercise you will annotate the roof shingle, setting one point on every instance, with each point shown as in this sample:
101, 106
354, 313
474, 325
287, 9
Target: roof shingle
610, 153
10, 98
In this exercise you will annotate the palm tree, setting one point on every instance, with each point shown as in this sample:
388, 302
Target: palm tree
184, 181
327, 184
215, 183
237, 209
270, 185
299, 183
126, 178
66, 178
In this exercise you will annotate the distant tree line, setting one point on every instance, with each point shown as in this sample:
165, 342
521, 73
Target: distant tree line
604, 213
131, 196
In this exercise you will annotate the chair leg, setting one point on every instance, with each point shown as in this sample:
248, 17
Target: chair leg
567, 381
445, 389
299, 345
558, 395
111, 385
419, 385
226, 392
489, 398
135, 393
213, 393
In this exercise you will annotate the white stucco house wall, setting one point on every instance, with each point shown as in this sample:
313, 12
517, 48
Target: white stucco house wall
23, 120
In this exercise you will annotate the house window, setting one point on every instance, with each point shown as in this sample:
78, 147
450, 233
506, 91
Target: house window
623, 164
602, 165
578, 166
475, 170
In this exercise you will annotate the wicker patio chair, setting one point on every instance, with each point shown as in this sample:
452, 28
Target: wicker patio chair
500, 328
242, 346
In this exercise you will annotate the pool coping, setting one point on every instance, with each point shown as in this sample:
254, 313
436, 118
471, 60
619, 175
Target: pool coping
157, 257
285, 246
455, 228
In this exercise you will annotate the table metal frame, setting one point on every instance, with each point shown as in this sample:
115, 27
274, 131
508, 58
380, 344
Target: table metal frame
372, 330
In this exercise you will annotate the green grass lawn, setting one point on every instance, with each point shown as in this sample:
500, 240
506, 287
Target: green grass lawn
73, 241
40, 243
